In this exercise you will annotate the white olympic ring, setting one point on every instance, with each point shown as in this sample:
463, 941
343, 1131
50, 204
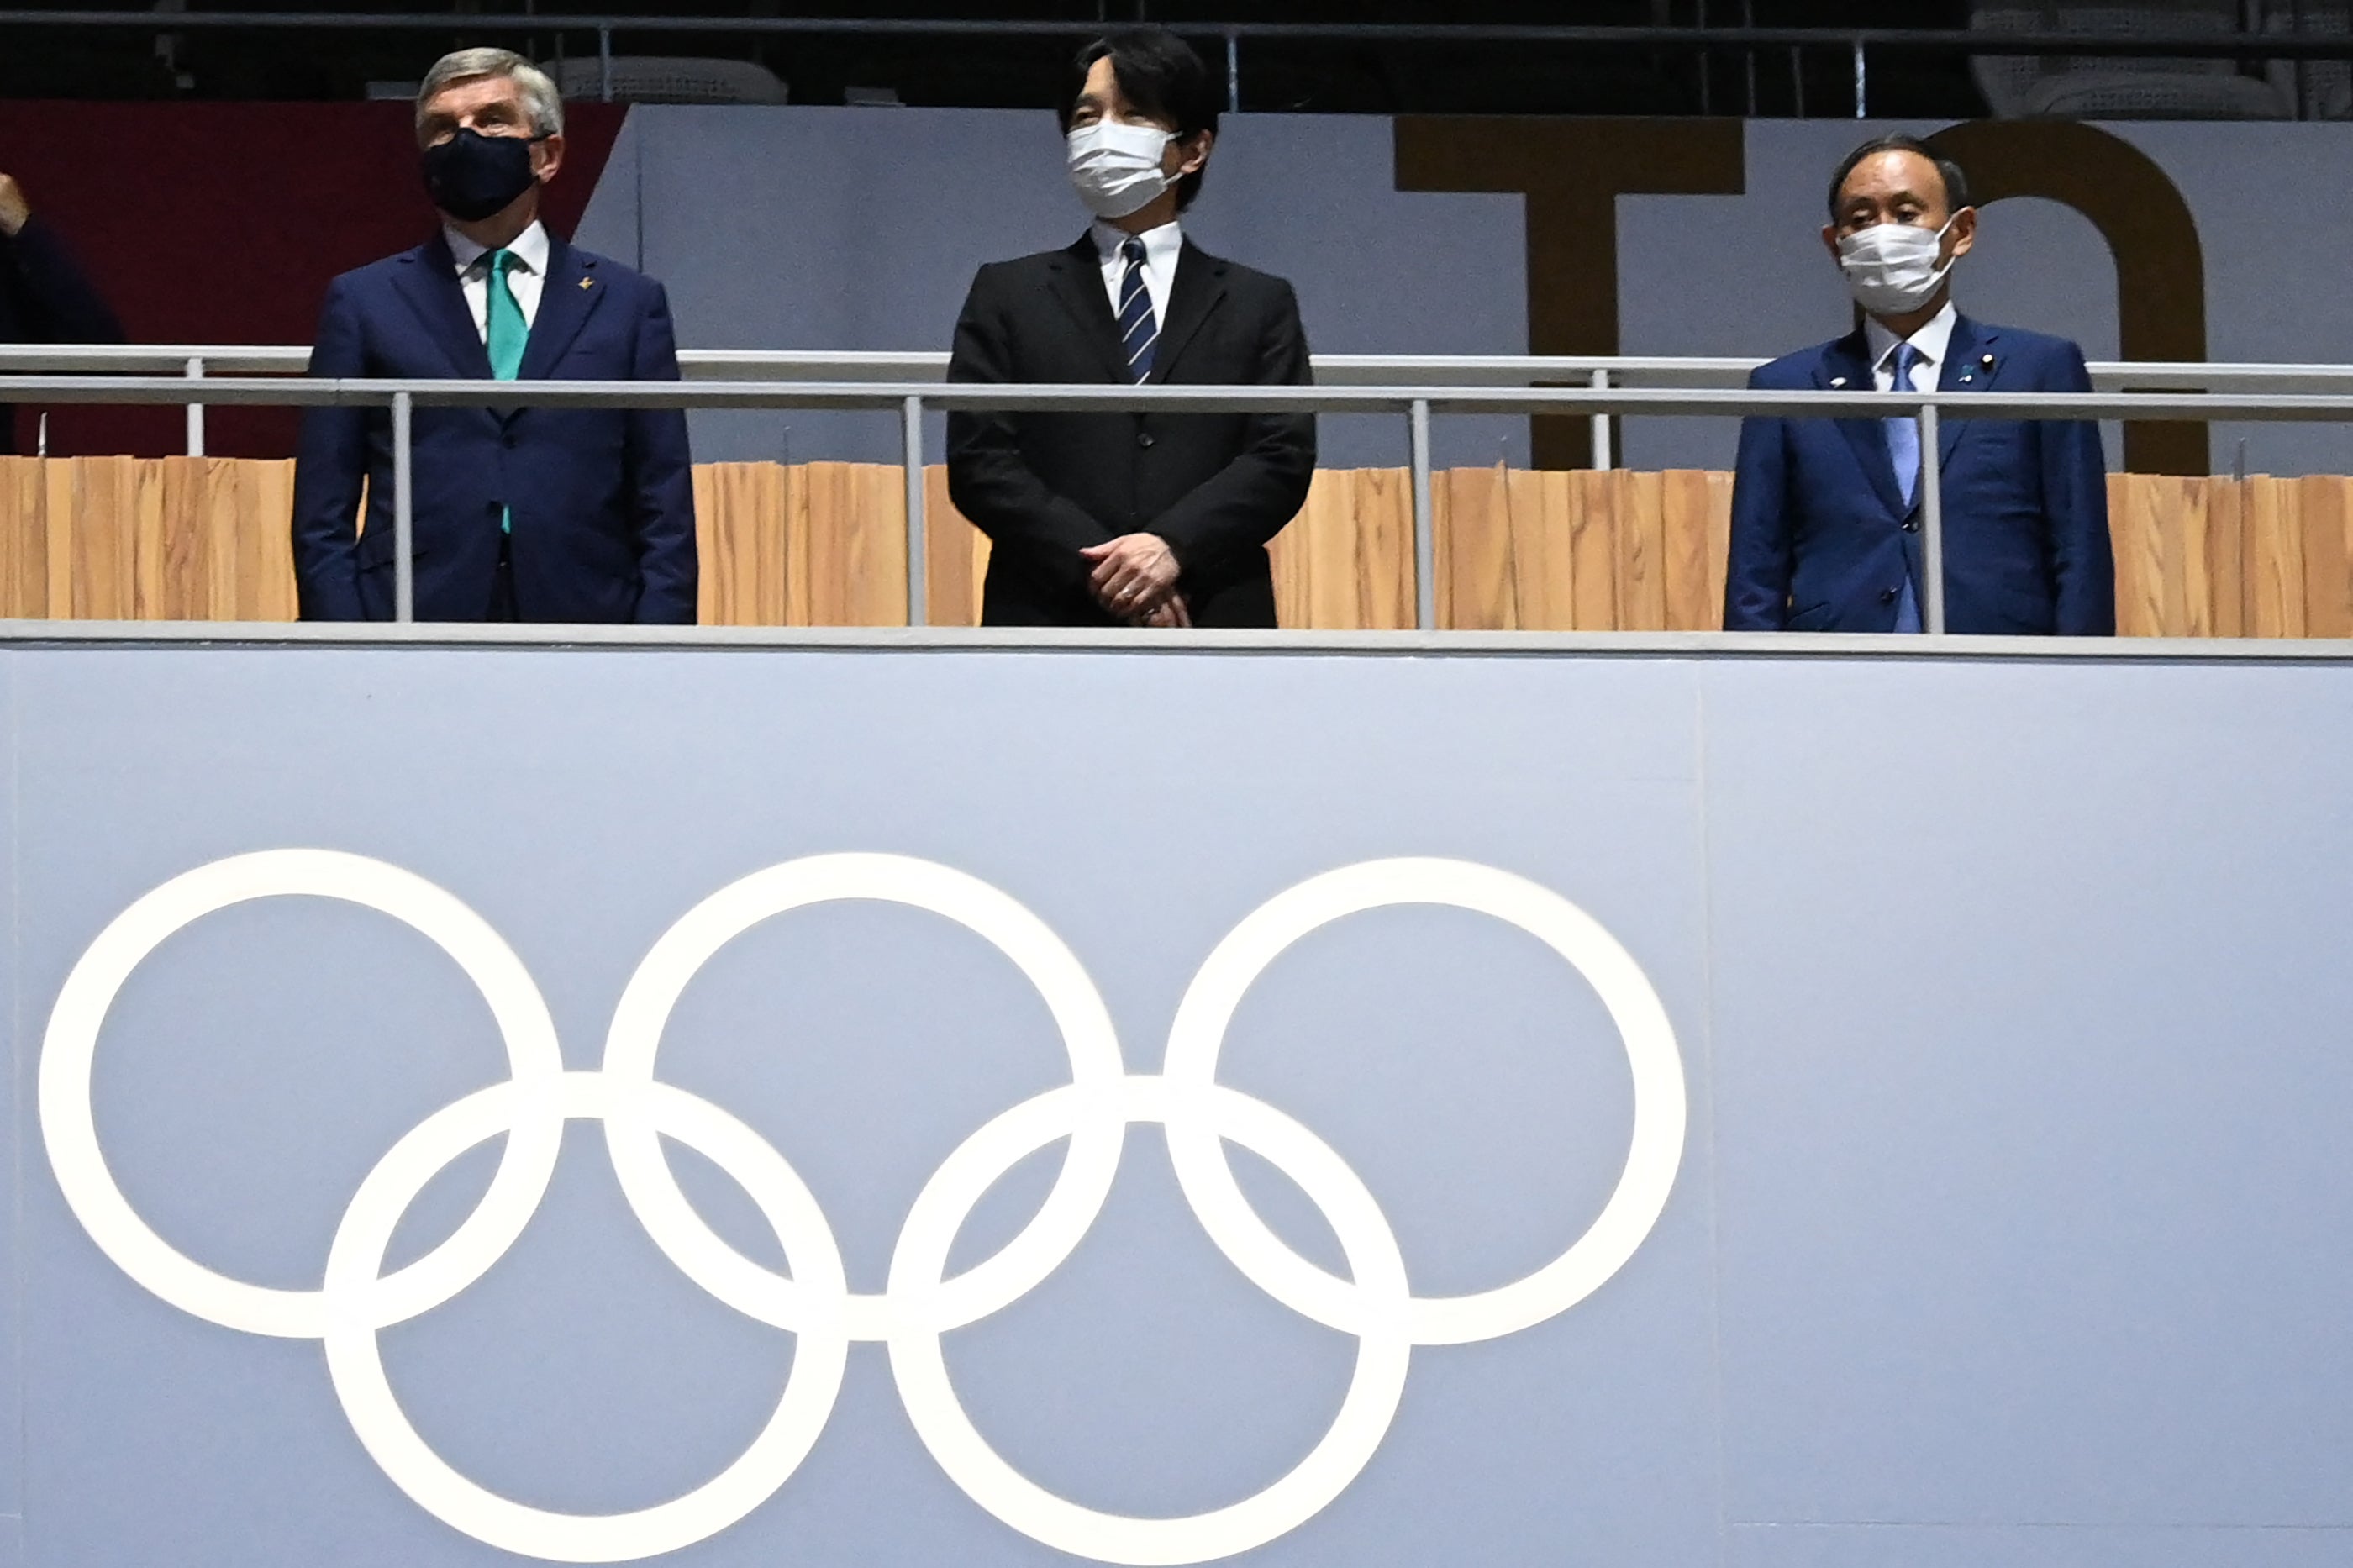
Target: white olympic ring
356, 1300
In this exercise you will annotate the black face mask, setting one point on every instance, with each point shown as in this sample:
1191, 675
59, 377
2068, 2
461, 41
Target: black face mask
471, 175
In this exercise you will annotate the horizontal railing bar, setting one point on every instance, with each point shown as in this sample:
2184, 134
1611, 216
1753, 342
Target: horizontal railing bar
1331, 370
305, 391
1944, 40
1205, 642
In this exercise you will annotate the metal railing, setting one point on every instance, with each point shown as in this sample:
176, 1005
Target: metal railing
1857, 43
1417, 403
1599, 373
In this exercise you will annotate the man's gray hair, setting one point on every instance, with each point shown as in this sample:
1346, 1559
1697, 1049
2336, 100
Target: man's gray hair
541, 102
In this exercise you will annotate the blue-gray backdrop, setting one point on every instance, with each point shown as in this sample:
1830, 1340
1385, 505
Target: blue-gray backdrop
2011, 1231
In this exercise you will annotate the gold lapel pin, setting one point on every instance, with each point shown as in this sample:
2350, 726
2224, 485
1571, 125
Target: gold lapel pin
585, 282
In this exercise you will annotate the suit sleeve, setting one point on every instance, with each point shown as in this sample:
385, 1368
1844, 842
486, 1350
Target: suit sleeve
2075, 509
1248, 500
658, 472
988, 479
330, 467
60, 306
1759, 558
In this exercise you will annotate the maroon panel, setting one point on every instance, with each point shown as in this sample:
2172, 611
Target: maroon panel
222, 223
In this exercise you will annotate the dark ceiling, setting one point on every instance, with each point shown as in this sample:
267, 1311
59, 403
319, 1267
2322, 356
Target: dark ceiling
1336, 76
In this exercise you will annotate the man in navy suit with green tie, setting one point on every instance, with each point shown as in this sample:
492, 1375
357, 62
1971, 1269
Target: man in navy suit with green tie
520, 514
1825, 512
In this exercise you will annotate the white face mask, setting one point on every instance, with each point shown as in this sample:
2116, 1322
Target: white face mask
1116, 167
1892, 268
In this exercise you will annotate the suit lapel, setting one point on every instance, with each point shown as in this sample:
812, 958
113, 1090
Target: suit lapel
569, 296
1076, 278
1200, 283
1846, 367
1970, 366
428, 281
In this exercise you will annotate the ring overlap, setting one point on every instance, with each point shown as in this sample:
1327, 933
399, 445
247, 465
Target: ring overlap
812, 1299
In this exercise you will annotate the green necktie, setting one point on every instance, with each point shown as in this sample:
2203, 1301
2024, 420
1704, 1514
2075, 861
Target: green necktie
506, 334
508, 330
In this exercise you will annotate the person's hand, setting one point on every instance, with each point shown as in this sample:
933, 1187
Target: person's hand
12, 208
1134, 575
1173, 612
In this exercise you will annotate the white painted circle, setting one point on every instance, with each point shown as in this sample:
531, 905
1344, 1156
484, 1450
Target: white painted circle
919, 1364
1042, 957
1660, 1108
356, 1361
69, 1125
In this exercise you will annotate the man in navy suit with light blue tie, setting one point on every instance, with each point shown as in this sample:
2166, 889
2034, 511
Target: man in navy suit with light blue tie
1825, 512
520, 514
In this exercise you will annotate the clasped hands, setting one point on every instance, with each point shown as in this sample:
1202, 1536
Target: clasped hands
1136, 579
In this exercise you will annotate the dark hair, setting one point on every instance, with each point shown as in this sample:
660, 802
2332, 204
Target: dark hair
1956, 183
1160, 74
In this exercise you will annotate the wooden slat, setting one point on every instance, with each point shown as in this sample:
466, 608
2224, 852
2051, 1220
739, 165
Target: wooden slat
851, 539
2224, 554
1384, 553
1474, 549
1642, 551
1593, 549
1694, 596
2327, 566
24, 539
741, 535
955, 557
1719, 545
2273, 585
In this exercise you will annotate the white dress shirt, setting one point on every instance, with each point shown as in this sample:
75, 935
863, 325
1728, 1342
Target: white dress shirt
1162, 247
525, 280
1931, 342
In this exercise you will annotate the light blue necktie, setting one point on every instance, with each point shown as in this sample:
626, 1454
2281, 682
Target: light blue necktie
1139, 334
1903, 451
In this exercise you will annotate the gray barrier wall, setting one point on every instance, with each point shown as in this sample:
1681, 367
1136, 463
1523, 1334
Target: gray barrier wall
2005, 1205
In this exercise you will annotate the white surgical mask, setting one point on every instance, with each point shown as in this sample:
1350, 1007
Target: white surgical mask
1116, 167
1892, 268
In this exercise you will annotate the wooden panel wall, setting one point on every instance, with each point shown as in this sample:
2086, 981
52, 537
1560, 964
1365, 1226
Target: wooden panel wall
145, 539
825, 544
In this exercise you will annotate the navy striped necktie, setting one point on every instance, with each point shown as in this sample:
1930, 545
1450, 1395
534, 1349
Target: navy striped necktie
1139, 333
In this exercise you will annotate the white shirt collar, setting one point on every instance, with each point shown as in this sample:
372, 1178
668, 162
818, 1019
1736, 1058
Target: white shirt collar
530, 248
1161, 246
1933, 338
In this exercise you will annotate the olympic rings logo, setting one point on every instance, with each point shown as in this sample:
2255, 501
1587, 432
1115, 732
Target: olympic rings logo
813, 1302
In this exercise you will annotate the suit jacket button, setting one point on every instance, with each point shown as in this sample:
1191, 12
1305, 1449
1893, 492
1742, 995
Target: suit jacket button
1911, 525
510, 441
1144, 438
1887, 595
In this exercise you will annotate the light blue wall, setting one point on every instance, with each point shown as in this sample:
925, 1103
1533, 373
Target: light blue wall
2011, 1230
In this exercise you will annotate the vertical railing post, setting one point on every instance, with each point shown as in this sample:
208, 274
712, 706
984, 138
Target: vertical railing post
911, 440
605, 62
1601, 424
1425, 534
404, 520
1932, 525
1862, 85
195, 411
1233, 72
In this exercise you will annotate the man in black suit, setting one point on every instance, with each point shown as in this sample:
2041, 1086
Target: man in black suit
44, 298
1131, 518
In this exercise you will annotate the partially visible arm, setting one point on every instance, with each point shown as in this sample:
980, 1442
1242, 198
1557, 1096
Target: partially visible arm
1248, 501
2075, 509
659, 475
1758, 564
988, 478
60, 305
330, 466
